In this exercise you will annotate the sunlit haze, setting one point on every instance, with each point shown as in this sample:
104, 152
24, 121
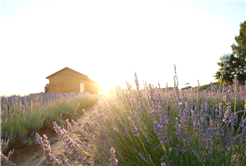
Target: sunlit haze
111, 40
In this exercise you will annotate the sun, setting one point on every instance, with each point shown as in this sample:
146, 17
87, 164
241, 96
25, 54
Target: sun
106, 86
109, 85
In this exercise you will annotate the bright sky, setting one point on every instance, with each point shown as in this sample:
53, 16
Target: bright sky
110, 40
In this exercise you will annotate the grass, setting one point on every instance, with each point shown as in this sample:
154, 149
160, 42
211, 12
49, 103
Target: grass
180, 128
161, 127
22, 117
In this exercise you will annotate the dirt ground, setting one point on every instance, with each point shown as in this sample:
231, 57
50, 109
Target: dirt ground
35, 156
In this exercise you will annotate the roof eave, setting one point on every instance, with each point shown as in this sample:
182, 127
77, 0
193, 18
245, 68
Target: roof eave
64, 69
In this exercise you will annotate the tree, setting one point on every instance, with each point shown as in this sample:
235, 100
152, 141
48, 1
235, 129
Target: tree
241, 39
234, 64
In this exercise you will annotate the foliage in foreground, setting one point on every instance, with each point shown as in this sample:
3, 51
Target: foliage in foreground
156, 127
21, 118
153, 127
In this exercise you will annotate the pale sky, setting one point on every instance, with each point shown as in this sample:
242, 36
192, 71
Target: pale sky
110, 40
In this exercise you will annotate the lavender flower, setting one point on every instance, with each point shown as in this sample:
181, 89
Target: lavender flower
69, 142
50, 158
142, 157
69, 126
197, 155
227, 112
6, 161
195, 120
134, 129
163, 164
150, 159
179, 131
64, 159
113, 160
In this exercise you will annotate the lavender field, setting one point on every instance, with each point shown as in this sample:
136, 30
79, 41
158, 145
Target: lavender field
151, 126
22, 117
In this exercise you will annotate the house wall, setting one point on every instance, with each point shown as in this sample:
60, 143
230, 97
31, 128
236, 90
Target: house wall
65, 81
82, 86
59, 85
92, 87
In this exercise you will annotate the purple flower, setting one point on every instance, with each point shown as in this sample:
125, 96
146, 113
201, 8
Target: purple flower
150, 159
163, 164
113, 160
142, 157
134, 129
170, 149
46, 148
6, 161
